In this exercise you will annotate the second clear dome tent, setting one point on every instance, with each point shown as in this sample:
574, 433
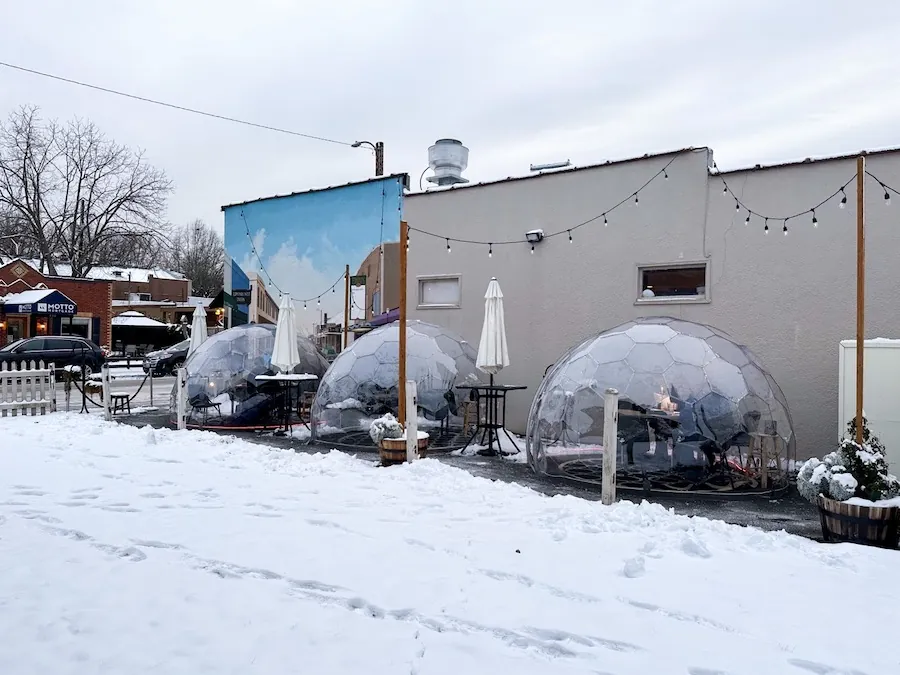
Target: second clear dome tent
695, 410
362, 384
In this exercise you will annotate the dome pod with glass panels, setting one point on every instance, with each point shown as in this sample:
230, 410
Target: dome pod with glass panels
222, 390
697, 411
362, 385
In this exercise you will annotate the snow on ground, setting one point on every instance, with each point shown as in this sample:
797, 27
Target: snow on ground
130, 550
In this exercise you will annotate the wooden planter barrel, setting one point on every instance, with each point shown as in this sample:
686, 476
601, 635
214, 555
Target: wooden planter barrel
868, 525
393, 450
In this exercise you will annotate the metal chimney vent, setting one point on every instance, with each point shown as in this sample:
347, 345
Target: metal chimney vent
448, 158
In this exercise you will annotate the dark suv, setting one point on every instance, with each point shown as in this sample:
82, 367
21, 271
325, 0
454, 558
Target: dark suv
167, 361
60, 351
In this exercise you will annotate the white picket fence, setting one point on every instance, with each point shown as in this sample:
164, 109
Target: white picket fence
27, 388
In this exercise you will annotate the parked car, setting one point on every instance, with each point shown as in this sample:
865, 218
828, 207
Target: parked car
60, 351
166, 361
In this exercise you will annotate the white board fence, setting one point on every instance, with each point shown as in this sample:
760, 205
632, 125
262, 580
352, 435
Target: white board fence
27, 388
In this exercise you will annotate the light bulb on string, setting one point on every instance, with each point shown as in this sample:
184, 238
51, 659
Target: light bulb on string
304, 304
318, 302
843, 199
724, 188
570, 236
532, 249
887, 197
448, 246
490, 250
605, 221
636, 202
747, 221
766, 228
784, 227
815, 221
665, 174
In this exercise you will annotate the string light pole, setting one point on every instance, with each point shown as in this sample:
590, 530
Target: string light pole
861, 289
378, 147
346, 307
401, 390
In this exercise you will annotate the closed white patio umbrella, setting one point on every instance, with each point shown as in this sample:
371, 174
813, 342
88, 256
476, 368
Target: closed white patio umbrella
493, 355
198, 329
286, 354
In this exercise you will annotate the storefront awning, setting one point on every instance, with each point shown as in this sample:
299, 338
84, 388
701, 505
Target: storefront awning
43, 301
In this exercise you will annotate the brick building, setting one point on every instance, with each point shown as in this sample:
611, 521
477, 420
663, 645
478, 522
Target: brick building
79, 306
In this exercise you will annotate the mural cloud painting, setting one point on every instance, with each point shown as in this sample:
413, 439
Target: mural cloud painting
302, 242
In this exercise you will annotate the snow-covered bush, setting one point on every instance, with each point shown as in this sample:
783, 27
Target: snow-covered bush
853, 471
386, 426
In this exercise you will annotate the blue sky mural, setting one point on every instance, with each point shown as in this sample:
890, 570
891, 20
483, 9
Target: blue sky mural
303, 241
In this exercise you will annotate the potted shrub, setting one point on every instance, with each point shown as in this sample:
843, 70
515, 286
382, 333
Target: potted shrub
390, 437
856, 494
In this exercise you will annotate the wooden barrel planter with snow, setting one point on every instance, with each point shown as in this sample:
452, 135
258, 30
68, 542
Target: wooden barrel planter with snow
858, 524
393, 450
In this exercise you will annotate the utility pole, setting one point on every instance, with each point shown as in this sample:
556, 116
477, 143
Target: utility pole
379, 158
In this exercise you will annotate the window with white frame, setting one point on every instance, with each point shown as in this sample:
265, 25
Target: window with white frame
439, 292
673, 283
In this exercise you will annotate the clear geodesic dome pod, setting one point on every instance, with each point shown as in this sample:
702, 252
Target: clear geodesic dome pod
222, 389
362, 383
697, 411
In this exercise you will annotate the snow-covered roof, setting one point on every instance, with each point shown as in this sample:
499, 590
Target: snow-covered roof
190, 303
135, 274
26, 297
136, 319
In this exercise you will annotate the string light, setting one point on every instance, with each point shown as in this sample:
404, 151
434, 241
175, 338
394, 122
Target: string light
815, 221
304, 305
318, 302
784, 227
604, 215
884, 186
737, 205
887, 198
843, 199
747, 222
532, 249
766, 228
448, 246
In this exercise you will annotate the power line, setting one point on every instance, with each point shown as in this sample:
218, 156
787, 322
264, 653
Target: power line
173, 105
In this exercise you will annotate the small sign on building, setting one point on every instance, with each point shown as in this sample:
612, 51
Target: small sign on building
242, 296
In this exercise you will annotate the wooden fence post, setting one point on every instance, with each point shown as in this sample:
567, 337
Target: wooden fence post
412, 422
105, 382
51, 381
181, 398
610, 446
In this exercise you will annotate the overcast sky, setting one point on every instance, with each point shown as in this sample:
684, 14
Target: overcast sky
518, 82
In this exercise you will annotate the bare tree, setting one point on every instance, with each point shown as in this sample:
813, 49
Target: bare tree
198, 252
78, 196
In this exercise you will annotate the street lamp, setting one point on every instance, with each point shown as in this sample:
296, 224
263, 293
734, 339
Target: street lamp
379, 154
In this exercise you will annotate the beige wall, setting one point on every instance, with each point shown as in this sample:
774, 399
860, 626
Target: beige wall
790, 299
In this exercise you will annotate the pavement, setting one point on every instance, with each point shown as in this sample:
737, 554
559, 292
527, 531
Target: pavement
791, 512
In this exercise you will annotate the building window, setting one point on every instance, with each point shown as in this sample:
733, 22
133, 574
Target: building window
673, 283
439, 292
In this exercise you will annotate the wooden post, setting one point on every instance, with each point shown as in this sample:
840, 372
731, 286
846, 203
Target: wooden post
104, 382
412, 422
181, 398
860, 290
610, 446
404, 243
346, 307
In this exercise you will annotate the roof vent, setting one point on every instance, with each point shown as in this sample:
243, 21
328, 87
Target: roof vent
448, 158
